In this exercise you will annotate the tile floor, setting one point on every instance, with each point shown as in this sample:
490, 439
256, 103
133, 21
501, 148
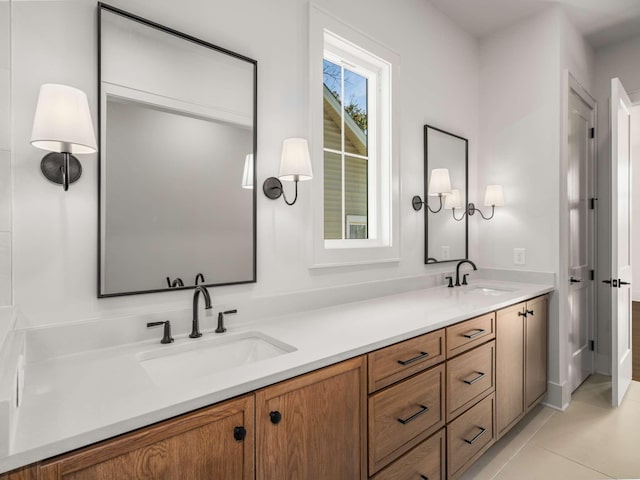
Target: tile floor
590, 440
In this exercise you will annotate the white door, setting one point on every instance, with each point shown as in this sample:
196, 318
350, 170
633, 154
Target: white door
581, 234
620, 241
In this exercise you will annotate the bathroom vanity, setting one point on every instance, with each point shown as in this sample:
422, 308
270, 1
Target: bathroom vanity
424, 381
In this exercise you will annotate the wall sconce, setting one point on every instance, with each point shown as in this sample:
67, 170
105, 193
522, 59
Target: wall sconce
295, 166
439, 185
247, 173
494, 197
62, 125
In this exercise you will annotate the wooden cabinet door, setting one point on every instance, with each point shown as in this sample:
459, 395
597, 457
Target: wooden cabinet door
510, 367
24, 473
536, 351
199, 445
313, 426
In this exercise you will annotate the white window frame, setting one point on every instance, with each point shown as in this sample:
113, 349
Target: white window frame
330, 38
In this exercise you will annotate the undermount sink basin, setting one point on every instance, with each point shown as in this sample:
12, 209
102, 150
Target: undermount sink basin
487, 291
198, 358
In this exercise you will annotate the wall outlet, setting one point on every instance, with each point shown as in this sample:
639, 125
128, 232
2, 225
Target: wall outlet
519, 256
445, 252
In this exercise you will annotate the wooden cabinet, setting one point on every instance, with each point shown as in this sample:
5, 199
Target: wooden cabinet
469, 436
25, 473
535, 373
215, 442
521, 361
426, 407
466, 335
470, 377
427, 460
391, 364
403, 415
313, 426
510, 367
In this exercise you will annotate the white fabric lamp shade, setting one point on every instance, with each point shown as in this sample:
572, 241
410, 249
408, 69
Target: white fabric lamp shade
494, 196
296, 162
62, 122
453, 200
247, 174
440, 182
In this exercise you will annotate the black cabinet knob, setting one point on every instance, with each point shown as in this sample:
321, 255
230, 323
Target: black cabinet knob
276, 417
239, 433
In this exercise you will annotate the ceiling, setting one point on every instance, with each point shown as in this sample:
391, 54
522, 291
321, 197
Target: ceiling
603, 22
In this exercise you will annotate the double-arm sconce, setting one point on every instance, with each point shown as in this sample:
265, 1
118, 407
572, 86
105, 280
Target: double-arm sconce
440, 186
295, 166
62, 125
493, 197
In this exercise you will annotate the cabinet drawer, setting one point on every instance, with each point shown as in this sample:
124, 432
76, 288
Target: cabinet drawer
393, 363
470, 377
403, 415
466, 335
469, 435
427, 460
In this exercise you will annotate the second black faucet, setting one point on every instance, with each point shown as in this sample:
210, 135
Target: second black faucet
460, 263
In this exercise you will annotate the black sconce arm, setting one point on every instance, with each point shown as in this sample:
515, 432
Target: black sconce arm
417, 203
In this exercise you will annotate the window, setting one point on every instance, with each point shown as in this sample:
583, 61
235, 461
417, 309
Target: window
356, 123
355, 217
345, 93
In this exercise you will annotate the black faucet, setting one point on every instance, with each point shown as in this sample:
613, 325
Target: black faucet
460, 263
195, 326
166, 337
221, 315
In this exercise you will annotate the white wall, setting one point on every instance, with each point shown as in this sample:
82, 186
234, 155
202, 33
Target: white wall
618, 60
520, 148
55, 232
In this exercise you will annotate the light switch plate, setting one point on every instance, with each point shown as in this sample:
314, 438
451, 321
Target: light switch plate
519, 256
445, 252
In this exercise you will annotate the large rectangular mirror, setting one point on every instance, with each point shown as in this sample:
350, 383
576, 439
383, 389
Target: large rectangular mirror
446, 237
177, 152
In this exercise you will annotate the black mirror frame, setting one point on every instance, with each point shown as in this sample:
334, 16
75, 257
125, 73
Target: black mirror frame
427, 259
109, 8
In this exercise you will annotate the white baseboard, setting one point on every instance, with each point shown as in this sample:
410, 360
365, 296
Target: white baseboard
558, 396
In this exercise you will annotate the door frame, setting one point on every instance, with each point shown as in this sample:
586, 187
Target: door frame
571, 84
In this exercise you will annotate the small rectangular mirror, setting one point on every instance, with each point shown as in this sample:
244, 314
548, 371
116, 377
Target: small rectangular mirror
446, 238
177, 152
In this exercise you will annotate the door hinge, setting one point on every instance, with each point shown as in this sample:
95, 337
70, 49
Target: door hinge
592, 345
592, 203
592, 133
592, 274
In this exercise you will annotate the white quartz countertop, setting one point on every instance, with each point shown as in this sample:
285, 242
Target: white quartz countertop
75, 400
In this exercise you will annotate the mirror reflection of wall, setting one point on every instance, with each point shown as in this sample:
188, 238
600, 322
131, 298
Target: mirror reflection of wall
446, 238
176, 166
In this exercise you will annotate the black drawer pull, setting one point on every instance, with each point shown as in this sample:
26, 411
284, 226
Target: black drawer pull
471, 382
479, 331
478, 435
423, 409
530, 312
414, 359
424, 477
